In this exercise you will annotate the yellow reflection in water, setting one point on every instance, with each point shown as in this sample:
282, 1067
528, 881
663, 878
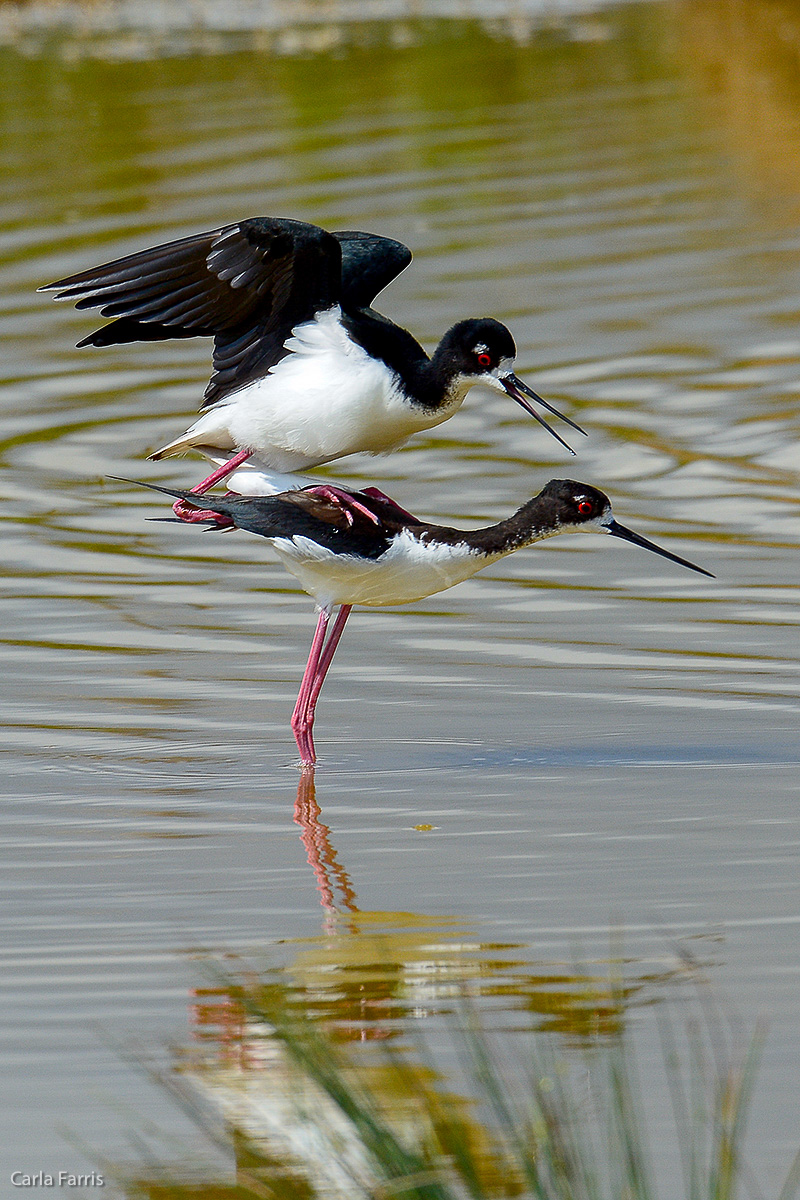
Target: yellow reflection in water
746, 53
372, 971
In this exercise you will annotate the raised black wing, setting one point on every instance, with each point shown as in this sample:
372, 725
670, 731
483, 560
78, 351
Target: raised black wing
246, 284
369, 264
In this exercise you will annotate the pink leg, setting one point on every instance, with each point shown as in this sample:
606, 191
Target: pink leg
319, 661
327, 658
301, 726
185, 510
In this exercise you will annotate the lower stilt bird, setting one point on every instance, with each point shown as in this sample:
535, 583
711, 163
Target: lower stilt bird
362, 548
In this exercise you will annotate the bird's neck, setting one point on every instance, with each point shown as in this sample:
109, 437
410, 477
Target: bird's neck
425, 381
537, 519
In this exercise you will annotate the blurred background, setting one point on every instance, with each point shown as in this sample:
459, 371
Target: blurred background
582, 737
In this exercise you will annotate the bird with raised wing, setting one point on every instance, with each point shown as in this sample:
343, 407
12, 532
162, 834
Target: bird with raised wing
363, 549
305, 370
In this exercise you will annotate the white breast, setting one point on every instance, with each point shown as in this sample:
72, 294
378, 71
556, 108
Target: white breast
409, 570
325, 399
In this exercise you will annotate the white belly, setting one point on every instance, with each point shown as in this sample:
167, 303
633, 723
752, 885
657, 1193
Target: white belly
408, 570
325, 399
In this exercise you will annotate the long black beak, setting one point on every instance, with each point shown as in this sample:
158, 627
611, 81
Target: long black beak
520, 392
620, 531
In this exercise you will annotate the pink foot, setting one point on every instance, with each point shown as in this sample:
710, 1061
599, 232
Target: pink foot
345, 500
305, 744
187, 512
302, 726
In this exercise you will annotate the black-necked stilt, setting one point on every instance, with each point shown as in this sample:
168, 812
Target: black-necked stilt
305, 371
376, 554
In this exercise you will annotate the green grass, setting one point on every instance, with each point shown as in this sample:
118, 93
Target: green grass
533, 1116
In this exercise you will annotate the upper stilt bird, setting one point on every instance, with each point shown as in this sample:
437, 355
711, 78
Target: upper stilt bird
305, 370
363, 549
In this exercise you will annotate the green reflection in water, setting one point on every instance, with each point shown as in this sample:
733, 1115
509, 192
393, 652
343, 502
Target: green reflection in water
132, 132
317, 1103
331, 1079
308, 1116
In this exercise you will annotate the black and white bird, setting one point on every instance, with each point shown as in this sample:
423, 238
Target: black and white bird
363, 549
305, 371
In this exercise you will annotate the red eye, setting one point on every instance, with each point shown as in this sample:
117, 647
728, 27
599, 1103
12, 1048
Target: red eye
584, 507
485, 360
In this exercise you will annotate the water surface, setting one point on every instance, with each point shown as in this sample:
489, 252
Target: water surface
581, 736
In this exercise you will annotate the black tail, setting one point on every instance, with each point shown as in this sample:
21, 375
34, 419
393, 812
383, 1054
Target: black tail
196, 499
256, 514
366, 527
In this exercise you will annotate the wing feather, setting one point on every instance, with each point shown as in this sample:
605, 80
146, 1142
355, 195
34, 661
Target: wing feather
247, 284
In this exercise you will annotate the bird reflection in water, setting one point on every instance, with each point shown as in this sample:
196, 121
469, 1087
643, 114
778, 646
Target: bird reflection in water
321, 856
299, 1060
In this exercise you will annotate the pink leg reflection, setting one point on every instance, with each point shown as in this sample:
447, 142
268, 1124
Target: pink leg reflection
321, 857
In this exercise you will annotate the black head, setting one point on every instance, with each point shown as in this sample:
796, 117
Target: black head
481, 350
579, 506
476, 348
575, 504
